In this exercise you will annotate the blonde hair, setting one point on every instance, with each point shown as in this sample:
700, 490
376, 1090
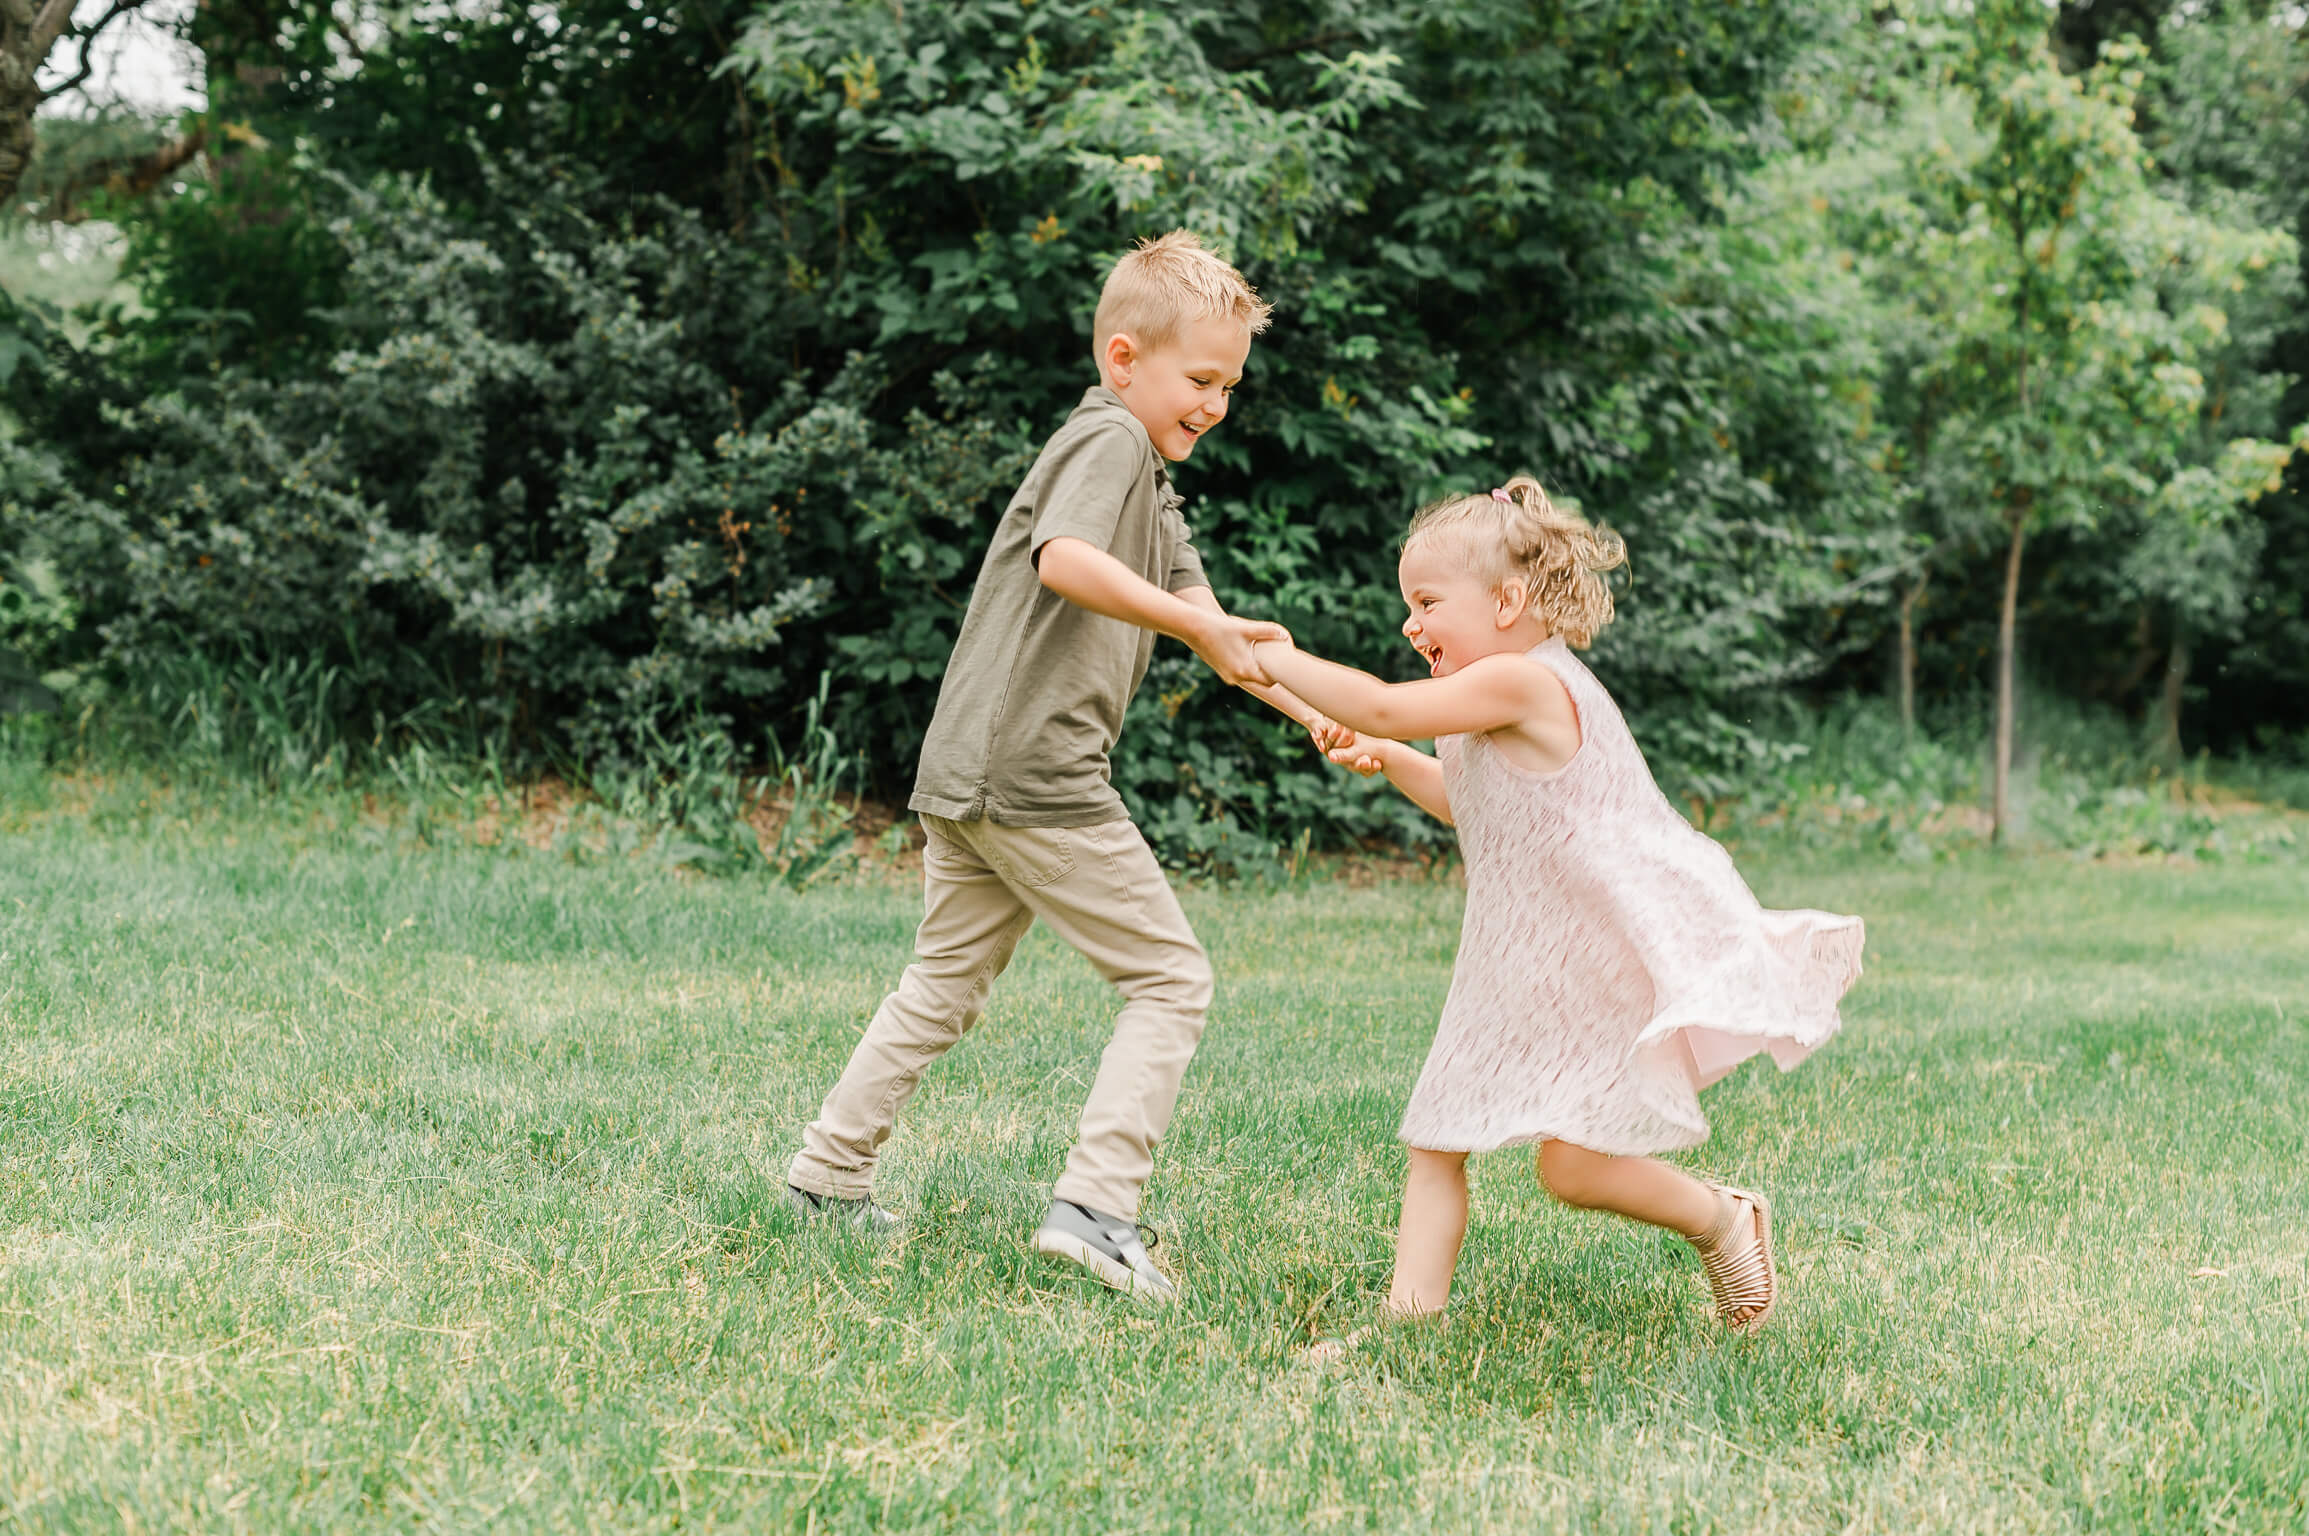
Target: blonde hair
1516, 531
1167, 284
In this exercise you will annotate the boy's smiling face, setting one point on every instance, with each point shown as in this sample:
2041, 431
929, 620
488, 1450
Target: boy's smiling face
1179, 390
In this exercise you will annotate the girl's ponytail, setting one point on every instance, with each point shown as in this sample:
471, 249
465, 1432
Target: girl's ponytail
1561, 557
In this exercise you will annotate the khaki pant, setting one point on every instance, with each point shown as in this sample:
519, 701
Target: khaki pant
984, 885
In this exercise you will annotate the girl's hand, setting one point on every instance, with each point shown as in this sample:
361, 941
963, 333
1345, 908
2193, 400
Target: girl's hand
1328, 734
1361, 754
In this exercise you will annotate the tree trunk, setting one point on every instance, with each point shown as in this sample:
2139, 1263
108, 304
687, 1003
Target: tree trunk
19, 99
2168, 744
2001, 820
2000, 817
29, 29
2145, 654
1908, 601
24, 43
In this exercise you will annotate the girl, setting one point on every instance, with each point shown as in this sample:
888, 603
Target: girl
1612, 961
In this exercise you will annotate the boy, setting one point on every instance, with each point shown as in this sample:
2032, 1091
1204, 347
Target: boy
1090, 561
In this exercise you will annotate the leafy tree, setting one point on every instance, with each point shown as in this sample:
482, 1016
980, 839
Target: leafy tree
2227, 125
2069, 384
2195, 558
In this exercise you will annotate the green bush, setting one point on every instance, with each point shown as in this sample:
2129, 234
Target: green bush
584, 470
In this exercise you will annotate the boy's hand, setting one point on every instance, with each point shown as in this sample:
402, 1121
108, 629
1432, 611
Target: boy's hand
1225, 645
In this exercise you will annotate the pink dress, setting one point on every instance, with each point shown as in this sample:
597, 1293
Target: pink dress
1612, 961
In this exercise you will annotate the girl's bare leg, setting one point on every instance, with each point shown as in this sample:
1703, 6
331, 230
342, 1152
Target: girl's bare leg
1426, 1245
1731, 1228
1434, 1224
1641, 1188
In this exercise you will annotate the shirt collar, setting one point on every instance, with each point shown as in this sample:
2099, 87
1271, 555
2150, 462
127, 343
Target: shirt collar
1103, 400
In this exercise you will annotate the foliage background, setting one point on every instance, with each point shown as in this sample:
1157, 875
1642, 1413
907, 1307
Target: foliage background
565, 384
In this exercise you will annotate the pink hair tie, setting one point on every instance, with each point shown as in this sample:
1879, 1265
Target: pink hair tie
1499, 493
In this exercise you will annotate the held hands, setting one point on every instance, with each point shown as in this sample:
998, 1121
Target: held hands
1230, 647
1226, 646
1363, 754
1327, 734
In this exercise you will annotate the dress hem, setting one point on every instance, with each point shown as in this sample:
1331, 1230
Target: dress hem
1642, 1148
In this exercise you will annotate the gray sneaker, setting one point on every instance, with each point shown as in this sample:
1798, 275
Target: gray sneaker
1110, 1247
859, 1212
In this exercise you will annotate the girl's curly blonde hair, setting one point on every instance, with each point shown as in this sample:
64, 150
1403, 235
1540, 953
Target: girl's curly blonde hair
1516, 531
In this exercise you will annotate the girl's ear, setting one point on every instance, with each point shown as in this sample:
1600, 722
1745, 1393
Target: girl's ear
1513, 595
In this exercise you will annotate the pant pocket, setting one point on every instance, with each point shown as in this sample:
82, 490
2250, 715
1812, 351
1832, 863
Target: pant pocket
1032, 857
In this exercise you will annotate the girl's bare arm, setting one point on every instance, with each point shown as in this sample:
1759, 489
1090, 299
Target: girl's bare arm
1410, 770
1485, 695
1273, 695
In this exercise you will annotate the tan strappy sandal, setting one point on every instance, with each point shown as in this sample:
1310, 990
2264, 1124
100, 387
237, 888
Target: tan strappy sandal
1742, 1278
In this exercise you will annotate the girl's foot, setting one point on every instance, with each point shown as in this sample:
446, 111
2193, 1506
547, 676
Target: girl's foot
1324, 1351
1737, 1254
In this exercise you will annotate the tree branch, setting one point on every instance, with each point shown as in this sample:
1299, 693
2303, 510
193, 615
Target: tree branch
79, 76
127, 177
87, 38
48, 24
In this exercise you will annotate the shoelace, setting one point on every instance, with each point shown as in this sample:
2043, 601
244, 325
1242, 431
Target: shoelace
1148, 1237
819, 1202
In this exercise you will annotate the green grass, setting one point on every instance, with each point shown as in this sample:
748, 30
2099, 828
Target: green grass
346, 1184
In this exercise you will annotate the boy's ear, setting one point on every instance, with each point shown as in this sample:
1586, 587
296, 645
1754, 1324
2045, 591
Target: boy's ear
1116, 357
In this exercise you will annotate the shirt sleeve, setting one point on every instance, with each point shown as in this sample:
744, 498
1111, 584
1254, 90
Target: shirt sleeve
1083, 486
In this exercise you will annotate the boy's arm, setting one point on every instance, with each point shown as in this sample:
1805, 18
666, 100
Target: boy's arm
1089, 577
1274, 695
1410, 770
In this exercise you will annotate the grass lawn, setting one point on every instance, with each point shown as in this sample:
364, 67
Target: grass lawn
345, 1185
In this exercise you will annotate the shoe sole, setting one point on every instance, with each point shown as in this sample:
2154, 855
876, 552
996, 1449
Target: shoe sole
1120, 1277
807, 1215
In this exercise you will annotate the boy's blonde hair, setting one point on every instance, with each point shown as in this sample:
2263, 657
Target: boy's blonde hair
1516, 531
1167, 284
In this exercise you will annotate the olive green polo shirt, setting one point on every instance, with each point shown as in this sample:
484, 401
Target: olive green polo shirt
1034, 693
